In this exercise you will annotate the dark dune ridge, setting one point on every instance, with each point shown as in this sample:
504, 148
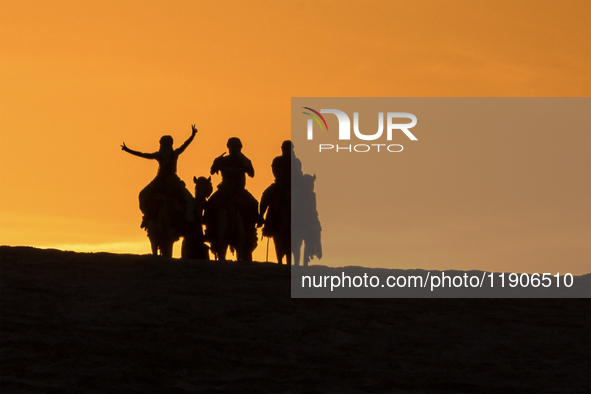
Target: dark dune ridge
74, 322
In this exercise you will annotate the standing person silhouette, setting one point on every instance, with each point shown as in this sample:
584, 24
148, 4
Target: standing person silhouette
166, 181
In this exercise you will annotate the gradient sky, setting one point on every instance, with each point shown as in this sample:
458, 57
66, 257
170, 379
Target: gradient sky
77, 78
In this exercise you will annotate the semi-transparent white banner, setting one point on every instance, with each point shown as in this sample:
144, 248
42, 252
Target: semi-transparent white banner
477, 197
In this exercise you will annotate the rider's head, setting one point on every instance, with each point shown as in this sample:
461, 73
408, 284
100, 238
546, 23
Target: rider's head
287, 148
166, 141
234, 145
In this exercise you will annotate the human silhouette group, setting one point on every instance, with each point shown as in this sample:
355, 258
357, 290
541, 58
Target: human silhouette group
231, 215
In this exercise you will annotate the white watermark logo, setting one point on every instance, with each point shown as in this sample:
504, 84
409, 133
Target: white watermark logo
344, 131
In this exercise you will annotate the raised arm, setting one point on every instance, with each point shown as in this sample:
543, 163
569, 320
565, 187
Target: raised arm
187, 142
136, 153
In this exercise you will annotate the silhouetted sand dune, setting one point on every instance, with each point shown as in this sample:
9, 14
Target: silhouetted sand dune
101, 322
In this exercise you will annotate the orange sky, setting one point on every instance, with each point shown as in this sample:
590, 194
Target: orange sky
77, 78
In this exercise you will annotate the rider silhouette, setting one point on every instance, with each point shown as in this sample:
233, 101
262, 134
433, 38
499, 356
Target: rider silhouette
166, 181
232, 190
286, 166
234, 169
276, 199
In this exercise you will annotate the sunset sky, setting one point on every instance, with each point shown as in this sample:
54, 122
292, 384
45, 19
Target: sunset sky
78, 78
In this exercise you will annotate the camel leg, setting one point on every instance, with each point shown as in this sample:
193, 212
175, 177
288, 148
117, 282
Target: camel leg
306, 256
185, 249
222, 231
247, 255
154, 246
241, 252
297, 245
281, 249
278, 250
222, 252
278, 253
167, 249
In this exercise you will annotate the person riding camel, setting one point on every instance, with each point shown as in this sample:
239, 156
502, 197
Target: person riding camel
286, 166
234, 167
166, 182
287, 170
232, 190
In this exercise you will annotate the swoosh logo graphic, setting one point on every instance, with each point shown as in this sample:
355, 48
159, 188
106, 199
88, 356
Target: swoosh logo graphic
316, 117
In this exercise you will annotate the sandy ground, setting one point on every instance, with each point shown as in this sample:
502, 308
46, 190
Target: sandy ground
95, 323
